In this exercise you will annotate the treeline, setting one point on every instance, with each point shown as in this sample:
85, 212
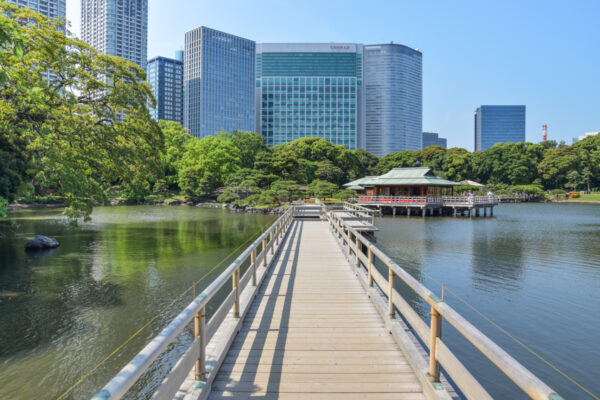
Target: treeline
87, 131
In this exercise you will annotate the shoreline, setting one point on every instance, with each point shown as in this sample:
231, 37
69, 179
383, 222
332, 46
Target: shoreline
249, 210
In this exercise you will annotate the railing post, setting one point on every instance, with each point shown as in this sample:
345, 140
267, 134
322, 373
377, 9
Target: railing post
236, 288
357, 262
348, 241
271, 242
391, 293
370, 278
200, 332
264, 251
253, 261
436, 332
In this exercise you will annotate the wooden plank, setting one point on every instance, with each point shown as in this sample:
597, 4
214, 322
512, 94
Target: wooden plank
317, 396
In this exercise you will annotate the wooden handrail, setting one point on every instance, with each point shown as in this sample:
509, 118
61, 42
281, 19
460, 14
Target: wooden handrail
129, 374
439, 353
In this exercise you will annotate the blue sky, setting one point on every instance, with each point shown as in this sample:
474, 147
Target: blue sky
544, 54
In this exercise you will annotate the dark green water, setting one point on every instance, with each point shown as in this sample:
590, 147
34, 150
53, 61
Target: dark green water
64, 311
534, 269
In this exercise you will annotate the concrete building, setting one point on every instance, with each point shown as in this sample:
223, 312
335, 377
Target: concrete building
499, 124
117, 28
52, 9
166, 77
358, 96
218, 82
433, 139
394, 98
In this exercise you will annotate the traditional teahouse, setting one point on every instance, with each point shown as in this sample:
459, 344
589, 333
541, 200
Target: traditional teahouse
403, 182
417, 190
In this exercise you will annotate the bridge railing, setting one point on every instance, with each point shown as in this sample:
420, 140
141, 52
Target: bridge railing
427, 201
196, 354
353, 244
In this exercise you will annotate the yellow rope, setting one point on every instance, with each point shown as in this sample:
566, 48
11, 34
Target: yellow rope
115, 351
529, 349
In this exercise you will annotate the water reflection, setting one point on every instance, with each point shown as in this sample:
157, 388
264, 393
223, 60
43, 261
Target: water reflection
62, 312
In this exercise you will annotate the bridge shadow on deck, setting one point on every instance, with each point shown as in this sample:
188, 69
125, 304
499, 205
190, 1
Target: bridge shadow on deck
273, 289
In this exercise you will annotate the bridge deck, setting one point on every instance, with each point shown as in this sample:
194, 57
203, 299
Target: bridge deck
312, 333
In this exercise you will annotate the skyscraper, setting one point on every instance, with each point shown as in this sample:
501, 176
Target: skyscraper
166, 77
309, 89
498, 124
218, 82
394, 98
433, 139
117, 28
49, 8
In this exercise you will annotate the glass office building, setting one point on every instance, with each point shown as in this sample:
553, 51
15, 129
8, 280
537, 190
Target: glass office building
218, 82
393, 98
166, 77
433, 139
309, 90
117, 28
499, 124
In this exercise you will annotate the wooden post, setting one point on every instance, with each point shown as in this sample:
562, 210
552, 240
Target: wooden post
370, 278
408, 211
357, 262
236, 287
348, 241
271, 242
436, 332
200, 331
390, 293
264, 250
253, 261
491, 211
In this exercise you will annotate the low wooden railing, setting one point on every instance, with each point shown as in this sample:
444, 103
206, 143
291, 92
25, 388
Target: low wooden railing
427, 201
226, 321
439, 354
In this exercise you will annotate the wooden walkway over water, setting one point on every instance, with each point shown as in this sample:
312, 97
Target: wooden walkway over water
314, 312
312, 333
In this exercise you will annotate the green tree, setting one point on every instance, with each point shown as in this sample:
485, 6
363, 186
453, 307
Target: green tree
175, 138
326, 171
397, 160
556, 164
248, 144
85, 129
322, 189
573, 180
205, 165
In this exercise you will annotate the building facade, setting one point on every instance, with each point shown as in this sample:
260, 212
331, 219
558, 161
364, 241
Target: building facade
166, 77
218, 82
309, 90
433, 139
116, 28
52, 9
498, 124
393, 98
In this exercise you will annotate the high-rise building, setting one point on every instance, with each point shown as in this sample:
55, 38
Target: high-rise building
309, 89
117, 28
499, 124
218, 82
166, 77
433, 139
393, 98
50, 8
359, 96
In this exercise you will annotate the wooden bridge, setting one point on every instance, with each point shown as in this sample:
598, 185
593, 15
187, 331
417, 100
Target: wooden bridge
316, 315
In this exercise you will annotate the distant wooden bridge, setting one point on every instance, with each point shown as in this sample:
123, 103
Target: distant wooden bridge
438, 205
313, 313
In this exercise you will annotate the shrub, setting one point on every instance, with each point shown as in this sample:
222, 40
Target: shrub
227, 196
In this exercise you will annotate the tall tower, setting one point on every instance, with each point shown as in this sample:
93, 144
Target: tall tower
116, 28
544, 132
218, 82
393, 98
52, 9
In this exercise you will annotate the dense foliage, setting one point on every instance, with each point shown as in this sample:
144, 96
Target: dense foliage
75, 125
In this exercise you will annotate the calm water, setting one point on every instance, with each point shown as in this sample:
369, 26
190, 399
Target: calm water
534, 269
62, 312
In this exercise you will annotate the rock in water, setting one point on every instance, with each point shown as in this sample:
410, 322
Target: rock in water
40, 242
